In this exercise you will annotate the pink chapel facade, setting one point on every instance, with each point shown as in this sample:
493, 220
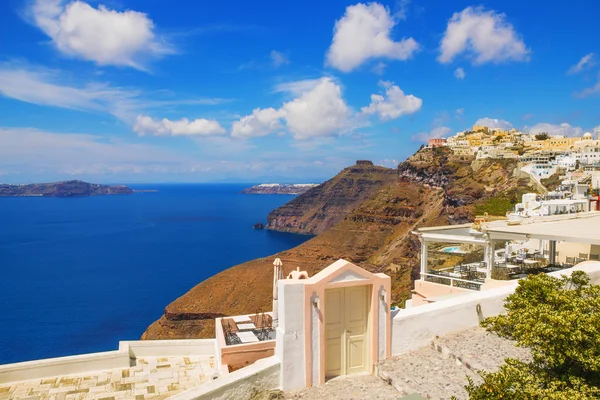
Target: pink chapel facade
336, 322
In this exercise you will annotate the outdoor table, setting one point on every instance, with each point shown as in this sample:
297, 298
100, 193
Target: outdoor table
248, 337
246, 326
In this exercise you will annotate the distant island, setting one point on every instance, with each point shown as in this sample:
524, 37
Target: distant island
62, 189
279, 188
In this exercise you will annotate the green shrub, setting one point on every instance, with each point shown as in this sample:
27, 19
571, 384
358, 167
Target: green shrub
559, 320
494, 206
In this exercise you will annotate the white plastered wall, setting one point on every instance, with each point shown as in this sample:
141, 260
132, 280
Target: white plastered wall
290, 347
416, 327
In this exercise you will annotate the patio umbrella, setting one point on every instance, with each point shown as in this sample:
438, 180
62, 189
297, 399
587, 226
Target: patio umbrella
277, 275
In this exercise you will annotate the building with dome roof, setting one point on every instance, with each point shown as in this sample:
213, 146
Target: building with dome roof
587, 150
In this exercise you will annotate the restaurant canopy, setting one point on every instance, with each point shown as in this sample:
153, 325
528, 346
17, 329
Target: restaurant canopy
575, 228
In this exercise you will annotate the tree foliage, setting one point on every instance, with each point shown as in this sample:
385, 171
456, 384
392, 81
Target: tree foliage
559, 320
542, 136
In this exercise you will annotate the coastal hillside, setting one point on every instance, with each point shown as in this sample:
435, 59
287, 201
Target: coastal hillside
327, 204
61, 189
431, 187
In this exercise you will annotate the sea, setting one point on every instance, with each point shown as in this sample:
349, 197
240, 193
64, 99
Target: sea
79, 274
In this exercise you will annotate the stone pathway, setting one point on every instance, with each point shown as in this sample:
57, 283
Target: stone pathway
151, 378
480, 350
359, 386
435, 372
427, 372
440, 371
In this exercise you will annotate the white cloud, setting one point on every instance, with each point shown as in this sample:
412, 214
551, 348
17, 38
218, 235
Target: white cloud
45, 87
379, 68
494, 123
278, 59
459, 112
459, 73
319, 112
586, 61
105, 36
485, 35
363, 33
527, 116
31, 155
587, 92
145, 125
31, 151
41, 87
435, 133
297, 88
394, 104
401, 9
554, 129
260, 123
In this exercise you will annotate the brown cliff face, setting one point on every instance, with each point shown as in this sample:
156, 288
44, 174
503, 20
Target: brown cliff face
433, 188
325, 205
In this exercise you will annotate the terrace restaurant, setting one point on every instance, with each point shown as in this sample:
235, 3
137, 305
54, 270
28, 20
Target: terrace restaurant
457, 259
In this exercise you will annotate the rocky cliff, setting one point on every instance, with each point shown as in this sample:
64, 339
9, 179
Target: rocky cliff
328, 203
432, 187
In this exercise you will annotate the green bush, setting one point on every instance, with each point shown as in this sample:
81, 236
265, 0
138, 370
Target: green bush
559, 320
494, 206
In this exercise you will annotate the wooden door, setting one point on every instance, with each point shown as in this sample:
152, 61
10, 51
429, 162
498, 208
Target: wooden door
356, 313
346, 316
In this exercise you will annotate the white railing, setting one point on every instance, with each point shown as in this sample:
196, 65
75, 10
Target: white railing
451, 279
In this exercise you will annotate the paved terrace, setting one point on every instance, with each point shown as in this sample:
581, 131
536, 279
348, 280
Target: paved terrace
150, 378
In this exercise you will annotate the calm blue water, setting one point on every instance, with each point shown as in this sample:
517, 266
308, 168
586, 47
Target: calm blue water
78, 275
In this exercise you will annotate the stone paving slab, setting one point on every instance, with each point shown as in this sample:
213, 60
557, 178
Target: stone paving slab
351, 387
428, 373
481, 350
150, 378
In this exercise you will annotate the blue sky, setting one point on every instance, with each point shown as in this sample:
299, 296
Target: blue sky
181, 91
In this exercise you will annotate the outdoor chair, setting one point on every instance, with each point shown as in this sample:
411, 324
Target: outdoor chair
570, 261
583, 256
264, 328
230, 336
595, 257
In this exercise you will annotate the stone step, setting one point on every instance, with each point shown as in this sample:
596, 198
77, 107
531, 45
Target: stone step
478, 349
427, 372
